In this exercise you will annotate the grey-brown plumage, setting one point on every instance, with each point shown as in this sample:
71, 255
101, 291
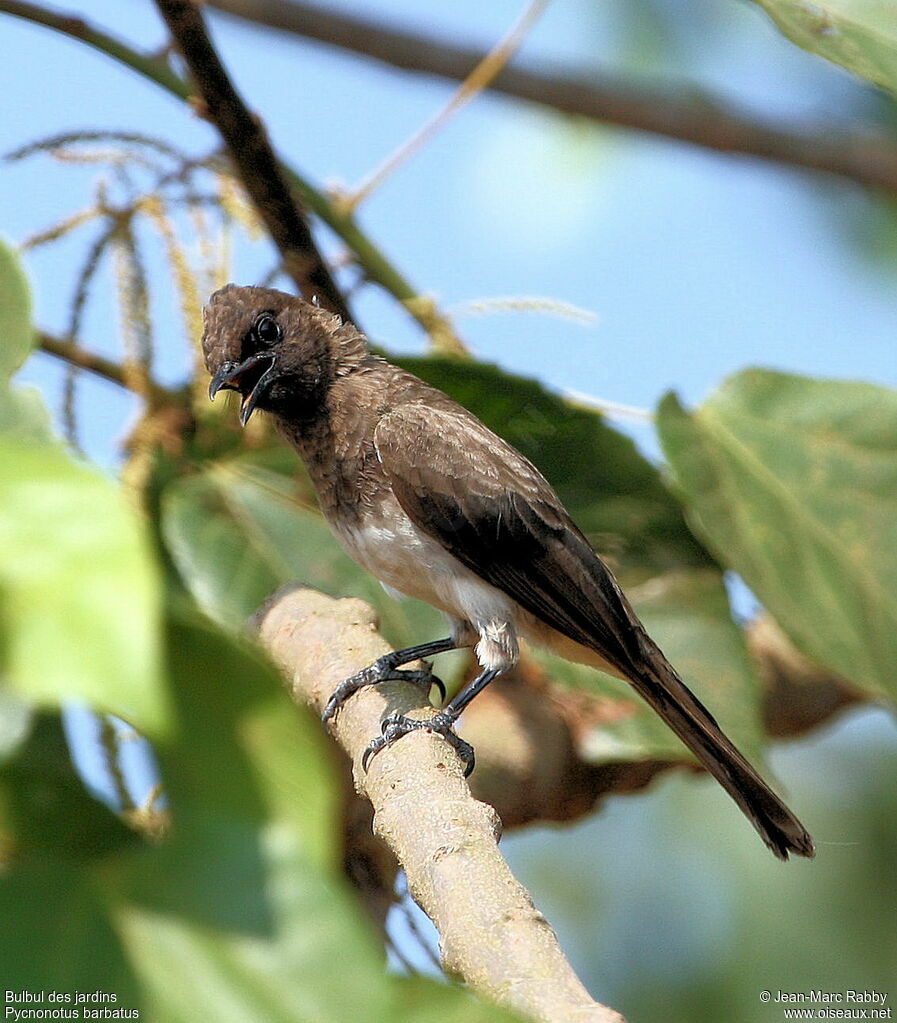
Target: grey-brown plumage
438, 507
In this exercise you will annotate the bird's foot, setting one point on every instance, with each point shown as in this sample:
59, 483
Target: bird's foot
396, 725
382, 670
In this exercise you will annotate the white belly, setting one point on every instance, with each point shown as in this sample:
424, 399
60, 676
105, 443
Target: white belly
404, 558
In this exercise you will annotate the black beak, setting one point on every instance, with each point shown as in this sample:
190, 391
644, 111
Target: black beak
257, 369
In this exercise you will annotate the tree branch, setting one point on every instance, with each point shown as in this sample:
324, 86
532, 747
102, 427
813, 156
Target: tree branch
99, 365
491, 934
252, 155
865, 155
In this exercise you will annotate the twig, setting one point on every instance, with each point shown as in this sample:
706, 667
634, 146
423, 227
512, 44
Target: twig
611, 409
863, 154
72, 353
109, 744
376, 266
491, 934
478, 79
249, 148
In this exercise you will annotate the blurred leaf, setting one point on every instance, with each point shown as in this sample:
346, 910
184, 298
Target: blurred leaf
46, 807
15, 723
793, 482
687, 613
615, 494
54, 839
236, 533
244, 755
22, 412
15, 314
860, 35
78, 588
241, 912
57, 934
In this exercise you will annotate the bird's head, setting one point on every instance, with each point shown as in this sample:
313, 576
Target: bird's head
279, 352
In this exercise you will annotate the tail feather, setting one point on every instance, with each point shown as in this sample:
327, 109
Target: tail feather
668, 695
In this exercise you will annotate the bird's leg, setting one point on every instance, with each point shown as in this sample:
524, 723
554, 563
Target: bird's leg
396, 725
386, 669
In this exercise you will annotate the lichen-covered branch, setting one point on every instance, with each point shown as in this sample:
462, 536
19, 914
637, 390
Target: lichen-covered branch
491, 935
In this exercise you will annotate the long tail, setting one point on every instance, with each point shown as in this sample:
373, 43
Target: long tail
668, 695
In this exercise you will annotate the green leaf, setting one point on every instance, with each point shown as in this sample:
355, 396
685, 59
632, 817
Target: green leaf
687, 613
615, 495
860, 35
43, 802
793, 483
58, 935
243, 913
15, 314
22, 412
78, 588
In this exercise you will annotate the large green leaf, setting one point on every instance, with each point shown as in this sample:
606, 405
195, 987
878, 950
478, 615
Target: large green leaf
242, 914
860, 35
793, 482
79, 593
22, 413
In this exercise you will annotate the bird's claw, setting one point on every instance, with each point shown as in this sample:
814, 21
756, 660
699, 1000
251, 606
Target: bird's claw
394, 726
381, 671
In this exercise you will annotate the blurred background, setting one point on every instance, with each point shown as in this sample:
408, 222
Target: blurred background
690, 264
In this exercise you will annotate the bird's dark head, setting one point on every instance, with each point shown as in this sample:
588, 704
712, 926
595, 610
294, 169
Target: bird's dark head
279, 352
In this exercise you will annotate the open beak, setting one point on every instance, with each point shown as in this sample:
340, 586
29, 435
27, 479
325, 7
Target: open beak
253, 373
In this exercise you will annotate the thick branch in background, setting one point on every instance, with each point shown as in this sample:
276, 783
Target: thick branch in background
491, 935
864, 154
249, 148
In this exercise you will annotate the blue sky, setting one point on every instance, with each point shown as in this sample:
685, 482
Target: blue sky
694, 264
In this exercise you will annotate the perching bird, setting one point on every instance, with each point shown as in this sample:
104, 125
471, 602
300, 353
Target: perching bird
424, 496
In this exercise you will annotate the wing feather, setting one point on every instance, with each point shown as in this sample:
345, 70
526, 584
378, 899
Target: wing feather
494, 511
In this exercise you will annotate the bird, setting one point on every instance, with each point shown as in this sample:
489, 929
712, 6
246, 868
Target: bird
424, 496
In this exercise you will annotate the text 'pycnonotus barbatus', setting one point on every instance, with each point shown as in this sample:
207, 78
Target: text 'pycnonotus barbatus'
436, 506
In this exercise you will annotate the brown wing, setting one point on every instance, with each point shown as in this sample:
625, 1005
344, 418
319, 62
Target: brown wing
489, 506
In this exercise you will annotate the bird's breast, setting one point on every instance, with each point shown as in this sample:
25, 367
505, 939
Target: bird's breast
388, 544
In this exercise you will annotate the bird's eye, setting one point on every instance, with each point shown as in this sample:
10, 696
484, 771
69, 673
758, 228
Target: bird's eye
266, 330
